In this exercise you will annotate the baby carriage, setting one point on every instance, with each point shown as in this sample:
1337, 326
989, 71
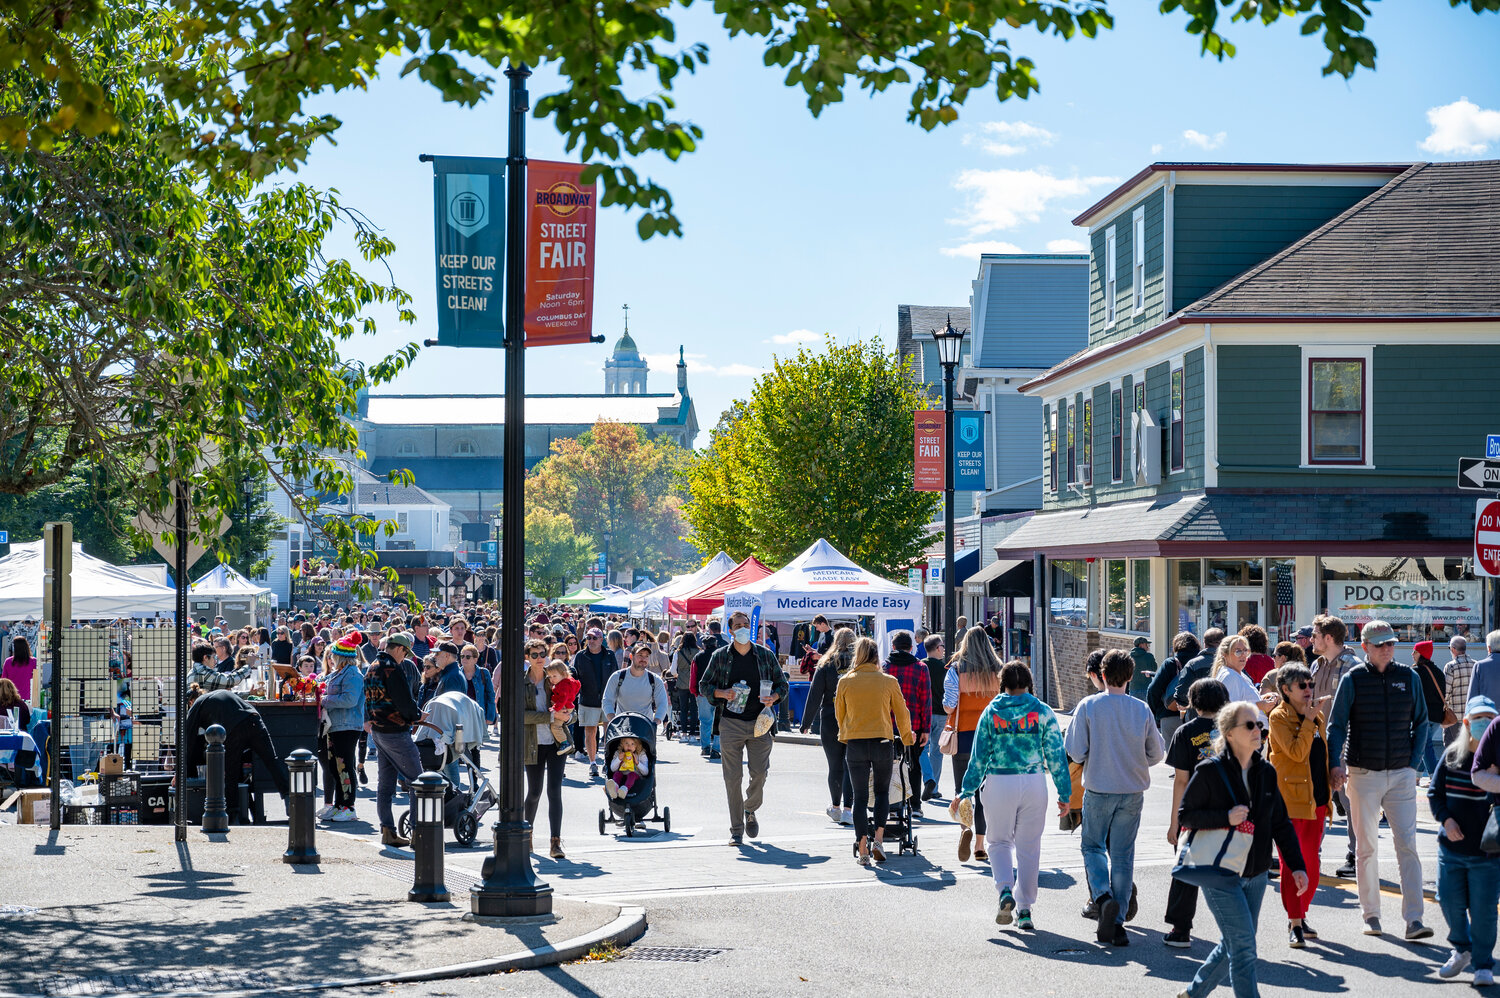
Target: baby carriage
452, 724
632, 809
898, 816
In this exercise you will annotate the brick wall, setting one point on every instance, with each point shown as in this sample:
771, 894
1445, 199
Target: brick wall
1068, 650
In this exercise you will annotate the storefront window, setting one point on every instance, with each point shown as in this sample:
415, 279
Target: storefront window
1140, 595
1234, 573
1185, 592
1069, 593
1422, 598
1114, 615
1281, 598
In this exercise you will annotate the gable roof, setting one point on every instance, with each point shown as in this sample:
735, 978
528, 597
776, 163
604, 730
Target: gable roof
914, 320
1426, 244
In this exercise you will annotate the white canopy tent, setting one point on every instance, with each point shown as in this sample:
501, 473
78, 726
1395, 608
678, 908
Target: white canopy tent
224, 592
822, 580
653, 602
100, 590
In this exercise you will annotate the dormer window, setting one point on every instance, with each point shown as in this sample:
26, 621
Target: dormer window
406, 449
465, 448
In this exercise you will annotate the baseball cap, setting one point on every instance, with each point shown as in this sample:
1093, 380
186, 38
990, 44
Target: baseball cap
1377, 632
1142, 640
594, 632
1479, 704
401, 638
449, 647
1305, 631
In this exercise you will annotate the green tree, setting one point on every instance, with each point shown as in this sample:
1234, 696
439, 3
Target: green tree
822, 448
243, 70
164, 328
85, 497
613, 478
555, 553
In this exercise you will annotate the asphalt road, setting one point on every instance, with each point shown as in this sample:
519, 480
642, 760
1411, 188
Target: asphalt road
791, 910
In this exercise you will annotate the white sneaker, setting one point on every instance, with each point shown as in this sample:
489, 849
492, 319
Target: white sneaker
612, 789
834, 812
1457, 961
1484, 978
846, 817
325, 811
342, 814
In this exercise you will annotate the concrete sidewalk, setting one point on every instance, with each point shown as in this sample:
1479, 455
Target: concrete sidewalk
125, 910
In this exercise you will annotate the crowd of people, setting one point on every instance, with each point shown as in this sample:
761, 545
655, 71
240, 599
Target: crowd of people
1275, 742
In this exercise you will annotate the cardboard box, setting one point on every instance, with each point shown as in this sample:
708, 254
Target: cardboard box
111, 764
35, 806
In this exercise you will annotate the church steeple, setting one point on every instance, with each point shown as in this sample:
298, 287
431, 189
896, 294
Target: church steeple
625, 371
681, 373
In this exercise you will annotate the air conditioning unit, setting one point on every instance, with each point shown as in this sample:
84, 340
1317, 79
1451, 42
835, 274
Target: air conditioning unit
1084, 474
1145, 435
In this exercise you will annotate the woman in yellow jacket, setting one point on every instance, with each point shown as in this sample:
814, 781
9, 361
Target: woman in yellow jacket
864, 703
1299, 752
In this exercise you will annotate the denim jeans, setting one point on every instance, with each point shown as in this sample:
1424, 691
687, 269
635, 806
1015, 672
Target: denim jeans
1468, 889
1237, 911
931, 757
706, 738
397, 759
1110, 823
1431, 740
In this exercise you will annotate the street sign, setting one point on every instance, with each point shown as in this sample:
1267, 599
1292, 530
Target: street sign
4, 536
559, 254
446, 578
928, 472
468, 204
1487, 538
914, 578
968, 450
473, 566
1478, 475
1492, 445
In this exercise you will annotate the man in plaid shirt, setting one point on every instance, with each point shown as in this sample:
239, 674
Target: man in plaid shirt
916, 690
208, 676
1457, 674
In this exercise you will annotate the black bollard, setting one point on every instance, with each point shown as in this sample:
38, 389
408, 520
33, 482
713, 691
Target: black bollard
301, 847
215, 808
427, 793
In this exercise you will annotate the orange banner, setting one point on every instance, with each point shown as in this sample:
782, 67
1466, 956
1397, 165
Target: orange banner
560, 216
928, 472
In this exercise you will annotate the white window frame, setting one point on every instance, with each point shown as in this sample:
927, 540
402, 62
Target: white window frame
1108, 277
403, 522
1177, 363
1334, 351
407, 448
1138, 260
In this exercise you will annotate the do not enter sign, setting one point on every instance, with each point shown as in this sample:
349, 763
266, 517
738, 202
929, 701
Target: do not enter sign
1487, 538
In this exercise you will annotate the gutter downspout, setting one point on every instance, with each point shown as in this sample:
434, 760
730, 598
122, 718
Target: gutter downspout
1210, 409
1169, 215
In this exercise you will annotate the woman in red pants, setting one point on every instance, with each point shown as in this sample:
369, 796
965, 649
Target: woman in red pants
1299, 752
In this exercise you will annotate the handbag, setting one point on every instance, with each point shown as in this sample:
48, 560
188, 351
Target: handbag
948, 739
1215, 857
1489, 842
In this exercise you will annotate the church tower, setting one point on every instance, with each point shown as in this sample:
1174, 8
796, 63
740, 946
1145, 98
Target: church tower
625, 371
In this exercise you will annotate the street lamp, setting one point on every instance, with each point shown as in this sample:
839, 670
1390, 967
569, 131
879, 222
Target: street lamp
949, 342
609, 535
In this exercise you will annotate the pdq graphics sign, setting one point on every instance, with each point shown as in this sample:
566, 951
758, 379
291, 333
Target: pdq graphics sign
1396, 602
469, 238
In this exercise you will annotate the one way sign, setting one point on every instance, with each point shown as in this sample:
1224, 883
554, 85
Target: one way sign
1478, 475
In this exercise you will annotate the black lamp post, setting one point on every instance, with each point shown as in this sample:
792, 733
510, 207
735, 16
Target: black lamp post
609, 535
949, 342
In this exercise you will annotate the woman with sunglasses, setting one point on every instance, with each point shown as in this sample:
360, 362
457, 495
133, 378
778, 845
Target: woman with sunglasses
1299, 752
544, 758
1229, 668
1237, 786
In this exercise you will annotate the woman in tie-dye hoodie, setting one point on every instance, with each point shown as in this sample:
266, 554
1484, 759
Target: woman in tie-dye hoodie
1018, 741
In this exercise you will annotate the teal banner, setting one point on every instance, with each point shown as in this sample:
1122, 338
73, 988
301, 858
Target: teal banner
469, 237
968, 451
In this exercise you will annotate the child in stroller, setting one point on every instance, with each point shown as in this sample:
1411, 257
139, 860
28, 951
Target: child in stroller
628, 767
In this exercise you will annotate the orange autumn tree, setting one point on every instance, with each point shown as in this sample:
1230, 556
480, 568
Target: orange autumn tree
614, 478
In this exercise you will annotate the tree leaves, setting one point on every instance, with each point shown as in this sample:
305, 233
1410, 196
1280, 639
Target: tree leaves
822, 448
555, 552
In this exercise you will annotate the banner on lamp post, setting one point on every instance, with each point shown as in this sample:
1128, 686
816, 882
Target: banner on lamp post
968, 451
931, 437
559, 254
469, 237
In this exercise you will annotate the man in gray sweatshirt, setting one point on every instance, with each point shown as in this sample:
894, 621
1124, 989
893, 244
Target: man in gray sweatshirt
1114, 737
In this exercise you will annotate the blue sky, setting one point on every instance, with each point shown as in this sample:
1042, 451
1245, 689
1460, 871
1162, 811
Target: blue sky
795, 227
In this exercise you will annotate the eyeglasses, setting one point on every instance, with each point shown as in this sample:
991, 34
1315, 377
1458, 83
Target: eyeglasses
467, 655
536, 654
1240, 651
1300, 685
1249, 725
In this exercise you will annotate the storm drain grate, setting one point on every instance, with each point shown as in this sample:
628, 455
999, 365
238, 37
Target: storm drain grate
670, 954
162, 982
455, 880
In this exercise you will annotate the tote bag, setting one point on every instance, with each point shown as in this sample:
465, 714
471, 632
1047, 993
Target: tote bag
1215, 857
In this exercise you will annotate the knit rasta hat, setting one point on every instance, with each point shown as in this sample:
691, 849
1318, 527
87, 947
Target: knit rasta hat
347, 646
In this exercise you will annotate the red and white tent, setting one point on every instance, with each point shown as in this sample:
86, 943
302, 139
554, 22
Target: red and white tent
709, 597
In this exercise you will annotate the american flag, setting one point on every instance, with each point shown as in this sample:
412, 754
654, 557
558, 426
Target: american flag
1286, 595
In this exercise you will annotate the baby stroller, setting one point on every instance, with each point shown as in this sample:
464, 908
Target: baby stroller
898, 816
463, 806
632, 809
452, 724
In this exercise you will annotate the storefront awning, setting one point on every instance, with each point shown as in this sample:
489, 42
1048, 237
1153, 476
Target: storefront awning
1006, 577
1255, 523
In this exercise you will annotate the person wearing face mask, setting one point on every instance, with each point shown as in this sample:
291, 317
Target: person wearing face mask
742, 680
1468, 877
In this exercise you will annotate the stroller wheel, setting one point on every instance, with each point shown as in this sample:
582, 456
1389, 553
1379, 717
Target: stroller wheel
666, 819
629, 825
403, 825
465, 829
602, 820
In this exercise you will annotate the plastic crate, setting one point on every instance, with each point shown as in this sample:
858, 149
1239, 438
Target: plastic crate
124, 816
124, 788
83, 814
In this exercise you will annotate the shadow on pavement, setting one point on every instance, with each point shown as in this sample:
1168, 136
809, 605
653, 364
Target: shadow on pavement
567, 869
570, 985
1382, 963
761, 853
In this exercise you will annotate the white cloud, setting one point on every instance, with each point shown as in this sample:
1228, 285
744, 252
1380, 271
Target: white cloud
1196, 138
794, 337
1005, 199
974, 250
1010, 138
697, 363
1066, 246
1156, 149
1462, 128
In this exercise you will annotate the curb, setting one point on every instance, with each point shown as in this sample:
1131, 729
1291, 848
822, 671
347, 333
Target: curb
628, 926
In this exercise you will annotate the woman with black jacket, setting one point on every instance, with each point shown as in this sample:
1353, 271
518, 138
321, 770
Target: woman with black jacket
825, 683
1234, 787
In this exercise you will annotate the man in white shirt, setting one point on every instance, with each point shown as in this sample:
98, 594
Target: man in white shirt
636, 689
